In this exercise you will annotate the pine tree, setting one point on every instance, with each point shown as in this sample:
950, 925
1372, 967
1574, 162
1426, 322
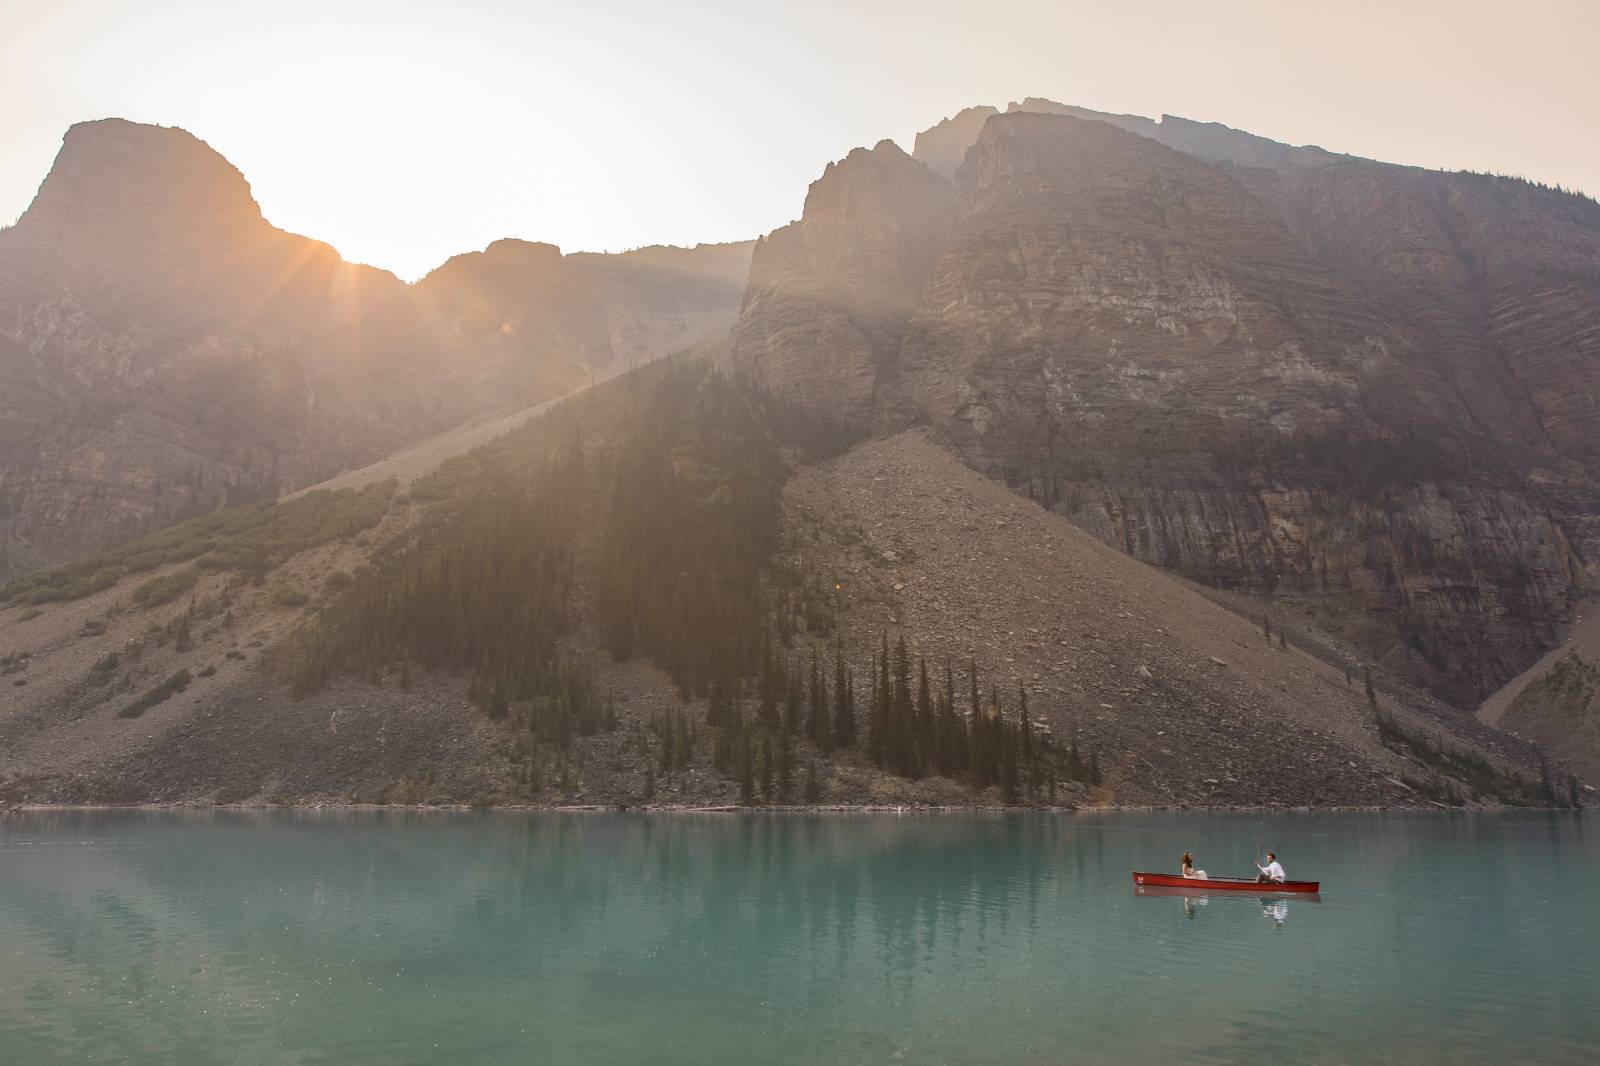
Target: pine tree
649, 782
717, 704
1372, 693
902, 714
844, 718
794, 703
878, 712
685, 741
767, 686
1094, 767
1009, 772
785, 768
498, 706
816, 713
1026, 754
766, 768
822, 716
850, 714
923, 737
1005, 752
722, 752
747, 778
256, 566
183, 639
951, 733
813, 792
977, 735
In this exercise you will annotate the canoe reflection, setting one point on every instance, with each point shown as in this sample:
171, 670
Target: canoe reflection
1275, 906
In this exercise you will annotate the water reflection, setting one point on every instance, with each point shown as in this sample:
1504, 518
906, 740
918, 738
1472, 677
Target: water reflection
407, 936
1273, 906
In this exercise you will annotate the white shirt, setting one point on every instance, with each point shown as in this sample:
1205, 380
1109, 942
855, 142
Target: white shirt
1273, 870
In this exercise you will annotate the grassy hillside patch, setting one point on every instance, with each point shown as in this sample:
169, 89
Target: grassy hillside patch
255, 538
1569, 686
1455, 767
1561, 710
165, 589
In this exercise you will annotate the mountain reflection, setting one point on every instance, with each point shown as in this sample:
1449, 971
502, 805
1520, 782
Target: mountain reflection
703, 938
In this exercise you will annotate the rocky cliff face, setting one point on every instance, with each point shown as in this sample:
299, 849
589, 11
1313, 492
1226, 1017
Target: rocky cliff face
1271, 368
164, 349
830, 296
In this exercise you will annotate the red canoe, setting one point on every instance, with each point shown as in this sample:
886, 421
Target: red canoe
1224, 884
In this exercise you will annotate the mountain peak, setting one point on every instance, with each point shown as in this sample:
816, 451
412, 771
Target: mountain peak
516, 249
944, 145
153, 213
113, 175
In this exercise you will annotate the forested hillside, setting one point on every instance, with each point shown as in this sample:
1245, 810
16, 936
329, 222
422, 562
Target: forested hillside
501, 585
681, 588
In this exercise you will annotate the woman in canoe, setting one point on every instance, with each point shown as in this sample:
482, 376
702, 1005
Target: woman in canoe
1189, 870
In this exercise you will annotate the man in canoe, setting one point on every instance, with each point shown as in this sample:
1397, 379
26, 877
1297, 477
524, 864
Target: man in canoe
1271, 872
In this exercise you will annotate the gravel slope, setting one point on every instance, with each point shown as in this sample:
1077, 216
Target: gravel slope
1187, 701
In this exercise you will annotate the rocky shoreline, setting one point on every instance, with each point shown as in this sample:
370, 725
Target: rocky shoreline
797, 808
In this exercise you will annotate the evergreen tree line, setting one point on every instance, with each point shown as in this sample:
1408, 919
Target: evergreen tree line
484, 589
926, 730
693, 522
685, 573
802, 708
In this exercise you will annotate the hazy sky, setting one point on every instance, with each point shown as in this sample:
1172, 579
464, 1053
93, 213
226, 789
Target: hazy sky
404, 133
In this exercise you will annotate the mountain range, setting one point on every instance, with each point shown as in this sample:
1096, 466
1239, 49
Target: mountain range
1344, 409
165, 350
1365, 390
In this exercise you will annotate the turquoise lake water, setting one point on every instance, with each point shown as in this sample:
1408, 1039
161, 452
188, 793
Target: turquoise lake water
371, 937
